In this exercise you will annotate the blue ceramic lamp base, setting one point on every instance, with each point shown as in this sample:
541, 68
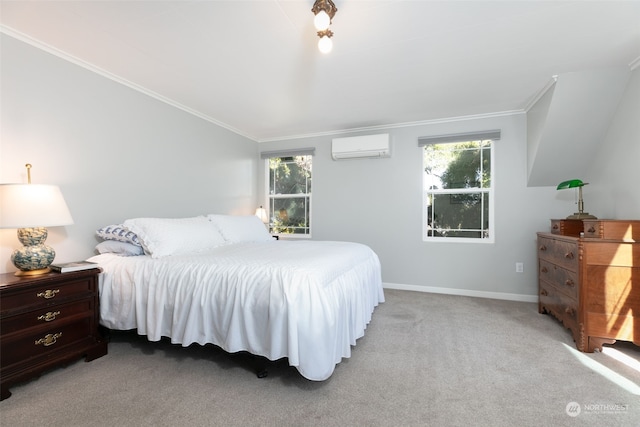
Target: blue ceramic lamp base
34, 257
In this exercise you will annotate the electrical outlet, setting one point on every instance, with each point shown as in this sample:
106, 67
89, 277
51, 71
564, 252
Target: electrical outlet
519, 267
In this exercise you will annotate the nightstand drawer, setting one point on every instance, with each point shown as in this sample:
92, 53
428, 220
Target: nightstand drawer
53, 293
51, 315
38, 342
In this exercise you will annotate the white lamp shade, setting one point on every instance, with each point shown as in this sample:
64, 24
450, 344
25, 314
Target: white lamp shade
32, 205
262, 214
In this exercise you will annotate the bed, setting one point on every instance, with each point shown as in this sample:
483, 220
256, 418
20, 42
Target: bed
223, 280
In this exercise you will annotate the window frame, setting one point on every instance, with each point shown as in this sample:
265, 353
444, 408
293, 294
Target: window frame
492, 136
267, 156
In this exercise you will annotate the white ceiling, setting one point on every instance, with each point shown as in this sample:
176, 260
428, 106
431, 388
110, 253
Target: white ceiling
253, 66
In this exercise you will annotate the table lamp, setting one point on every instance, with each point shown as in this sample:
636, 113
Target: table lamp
30, 208
262, 214
576, 183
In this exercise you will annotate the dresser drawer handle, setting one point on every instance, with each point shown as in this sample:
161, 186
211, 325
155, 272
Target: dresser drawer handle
570, 311
49, 293
568, 255
51, 315
544, 293
543, 248
49, 339
544, 270
569, 283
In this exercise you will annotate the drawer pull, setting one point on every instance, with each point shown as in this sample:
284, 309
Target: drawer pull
49, 339
51, 315
568, 255
49, 293
570, 311
543, 248
544, 270
569, 283
544, 293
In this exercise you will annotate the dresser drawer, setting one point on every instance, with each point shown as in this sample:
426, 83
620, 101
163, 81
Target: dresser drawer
43, 296
559, 305
37, 342
560, 252
613, 230
567, 227
564, 280
52, 316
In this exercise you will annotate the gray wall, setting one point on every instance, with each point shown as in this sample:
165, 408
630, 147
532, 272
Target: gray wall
115, 153
379, 202
614, 189
569, 122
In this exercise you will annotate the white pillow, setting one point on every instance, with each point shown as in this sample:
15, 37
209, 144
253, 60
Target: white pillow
241, 228
119, 248
119, 233
172, 236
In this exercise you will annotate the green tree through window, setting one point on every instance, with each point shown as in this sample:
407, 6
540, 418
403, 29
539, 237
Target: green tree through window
290, 194
457, 185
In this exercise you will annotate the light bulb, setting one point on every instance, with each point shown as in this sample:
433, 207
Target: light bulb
322, 21
325, 44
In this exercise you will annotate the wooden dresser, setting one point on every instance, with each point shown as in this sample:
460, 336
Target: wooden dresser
592, 283
46, 321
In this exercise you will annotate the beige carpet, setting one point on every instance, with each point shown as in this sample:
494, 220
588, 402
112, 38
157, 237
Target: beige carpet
426, 360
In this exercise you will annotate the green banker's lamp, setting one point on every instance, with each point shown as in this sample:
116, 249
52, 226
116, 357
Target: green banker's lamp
576, 183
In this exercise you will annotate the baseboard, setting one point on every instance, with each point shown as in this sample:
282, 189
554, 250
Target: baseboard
462, 292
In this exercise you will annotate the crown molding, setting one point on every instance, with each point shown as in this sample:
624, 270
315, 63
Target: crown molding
396, 125
541, 93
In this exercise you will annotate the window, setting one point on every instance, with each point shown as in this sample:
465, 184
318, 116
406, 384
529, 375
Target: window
289, 191
458, 187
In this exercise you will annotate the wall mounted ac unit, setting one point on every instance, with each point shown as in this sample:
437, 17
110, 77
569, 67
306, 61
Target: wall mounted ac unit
355, 147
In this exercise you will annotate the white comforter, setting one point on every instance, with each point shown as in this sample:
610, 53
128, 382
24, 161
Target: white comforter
305, 300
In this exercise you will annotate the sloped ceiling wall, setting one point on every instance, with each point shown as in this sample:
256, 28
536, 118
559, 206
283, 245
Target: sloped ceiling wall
568, 122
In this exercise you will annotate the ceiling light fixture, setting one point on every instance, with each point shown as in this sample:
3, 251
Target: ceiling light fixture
324, 11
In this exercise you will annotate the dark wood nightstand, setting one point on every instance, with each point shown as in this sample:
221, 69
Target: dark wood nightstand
46, 321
